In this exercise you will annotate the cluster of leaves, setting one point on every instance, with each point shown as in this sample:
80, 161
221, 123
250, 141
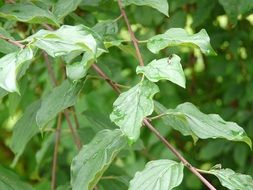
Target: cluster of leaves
117, 152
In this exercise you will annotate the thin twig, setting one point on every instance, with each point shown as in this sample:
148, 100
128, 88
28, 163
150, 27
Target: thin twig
72, 109
73, 130
16, 43
107, 79
157, 117
48, 27
146, 122
133, 38
10, 1
203, 171
66, 112
178, 155
50, 69
161, 138
118, 18
56, 147
116, 84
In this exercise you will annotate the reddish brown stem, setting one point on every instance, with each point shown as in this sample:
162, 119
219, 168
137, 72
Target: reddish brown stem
56, 147
66, 112
72, 109
16, 43
73, 130
161, 138
107, 79
50, 69
133, 38
146, 122
178, 155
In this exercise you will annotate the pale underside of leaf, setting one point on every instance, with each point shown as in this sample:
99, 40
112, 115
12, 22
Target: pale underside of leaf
187, 119
232, 180
9, 68
66, 40
79, 70
164, 69
158, 175
132, 106
94, 158
178, 36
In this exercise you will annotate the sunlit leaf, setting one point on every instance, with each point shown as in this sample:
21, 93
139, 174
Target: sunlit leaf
79, 70
10, 68
27, 12
232, 180
67, 39
94, 158
161, 5
164, 69
158, 175
187, 119
178, 36
57, 100
132, 106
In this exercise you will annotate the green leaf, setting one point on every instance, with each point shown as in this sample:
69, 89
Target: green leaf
11, 181
98, 121
106, 28
158, 175
178, 36
63, 8
3, 93
94, 158
162, 6
166, 68
232, 180
27, 12
132, 106
46, 146
60, 98
187, 119
234, 8
6, 47
79, 70
203, 12
66, 39
76, 71
24, 129
11, 66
